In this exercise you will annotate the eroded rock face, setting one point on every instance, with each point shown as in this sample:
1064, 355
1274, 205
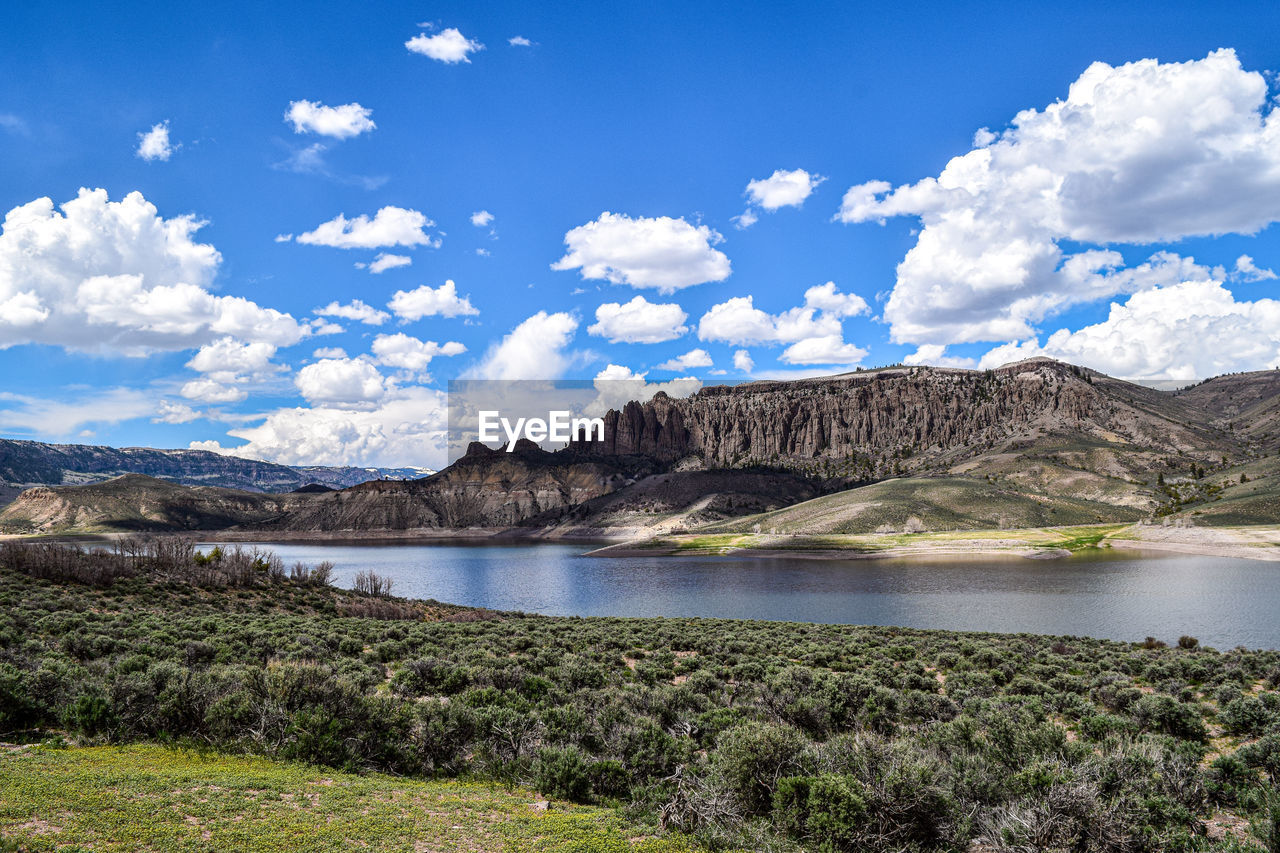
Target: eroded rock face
485, 488
902, 419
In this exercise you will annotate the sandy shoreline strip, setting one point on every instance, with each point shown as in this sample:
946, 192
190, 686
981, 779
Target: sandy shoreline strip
1251, 543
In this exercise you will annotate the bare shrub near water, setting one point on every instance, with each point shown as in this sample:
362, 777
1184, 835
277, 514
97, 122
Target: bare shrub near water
370, 582
171, 558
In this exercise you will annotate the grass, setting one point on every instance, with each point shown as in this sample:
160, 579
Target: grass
141, 798
1071, 538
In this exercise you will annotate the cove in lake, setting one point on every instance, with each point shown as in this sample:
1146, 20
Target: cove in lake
1223, 601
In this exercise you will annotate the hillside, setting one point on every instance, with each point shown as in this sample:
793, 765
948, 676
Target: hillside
485, 488
135, 502
32, 463
1033, 443
919, 504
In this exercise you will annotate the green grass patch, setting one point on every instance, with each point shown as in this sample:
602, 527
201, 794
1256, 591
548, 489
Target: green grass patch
136, 798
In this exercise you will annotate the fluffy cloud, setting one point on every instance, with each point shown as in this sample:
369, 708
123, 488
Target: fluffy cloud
409, 353
235, 358
935, 355
639, 322
481, 218
827, 349
406, 428
535, 349
207, 390
390, 226
341, 381
154, 144
694, 358
329, 352
357, 311
385, 261
115, 277
1247, 270
1141, 153
1190, 330
169, 412
448, 46
743, 361
519, 41
617, 385
781, 189
341, 122
738, 321
425, 301
664, 253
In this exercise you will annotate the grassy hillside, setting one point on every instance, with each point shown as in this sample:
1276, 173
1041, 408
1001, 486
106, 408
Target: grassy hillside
764, 736
136, 798
926, 504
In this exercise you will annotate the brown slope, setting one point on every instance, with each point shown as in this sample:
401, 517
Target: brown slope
135, 502
485, 488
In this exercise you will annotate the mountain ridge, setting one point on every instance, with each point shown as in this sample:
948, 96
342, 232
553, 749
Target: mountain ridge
1041, 438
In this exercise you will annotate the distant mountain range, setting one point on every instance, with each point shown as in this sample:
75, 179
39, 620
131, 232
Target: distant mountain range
31, 463
1034, 443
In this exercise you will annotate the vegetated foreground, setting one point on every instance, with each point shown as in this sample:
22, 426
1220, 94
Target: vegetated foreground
765, 736
132, 798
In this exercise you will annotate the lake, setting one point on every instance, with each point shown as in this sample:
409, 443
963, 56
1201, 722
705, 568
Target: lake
1224, 602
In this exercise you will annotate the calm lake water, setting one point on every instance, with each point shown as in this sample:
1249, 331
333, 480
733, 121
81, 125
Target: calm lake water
1224, 602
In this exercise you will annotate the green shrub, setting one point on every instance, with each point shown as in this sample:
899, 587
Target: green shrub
752, 758
563, 773
829, 811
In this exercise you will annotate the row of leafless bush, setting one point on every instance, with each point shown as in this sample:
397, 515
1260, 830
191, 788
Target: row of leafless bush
164, 557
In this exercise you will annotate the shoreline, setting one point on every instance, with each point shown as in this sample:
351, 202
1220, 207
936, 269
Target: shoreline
1257, 542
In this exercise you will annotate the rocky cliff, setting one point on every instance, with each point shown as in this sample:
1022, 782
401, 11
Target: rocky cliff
485, 488
915, 419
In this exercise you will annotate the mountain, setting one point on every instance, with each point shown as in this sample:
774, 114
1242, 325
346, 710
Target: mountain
1037, 442
484, 488
30, 463
135, 502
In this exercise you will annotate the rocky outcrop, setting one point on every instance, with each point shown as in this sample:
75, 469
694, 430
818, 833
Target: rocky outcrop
485, 488
875, 423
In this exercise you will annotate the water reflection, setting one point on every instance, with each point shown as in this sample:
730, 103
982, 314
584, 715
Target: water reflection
1223, 601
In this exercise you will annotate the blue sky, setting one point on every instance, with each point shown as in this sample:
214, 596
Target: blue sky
119, 328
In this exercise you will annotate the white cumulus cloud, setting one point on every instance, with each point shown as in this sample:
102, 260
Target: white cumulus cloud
1140, 153
535, 349
355, 310
390, 226
663, 253
743, 361
738, 321
639, 322
385, 261
481, 218
781, 189
406, 428
692, 359
448, 46
426, 301
1190, 330
154, 144
343, 381
342, 122
409, 353
115, 277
